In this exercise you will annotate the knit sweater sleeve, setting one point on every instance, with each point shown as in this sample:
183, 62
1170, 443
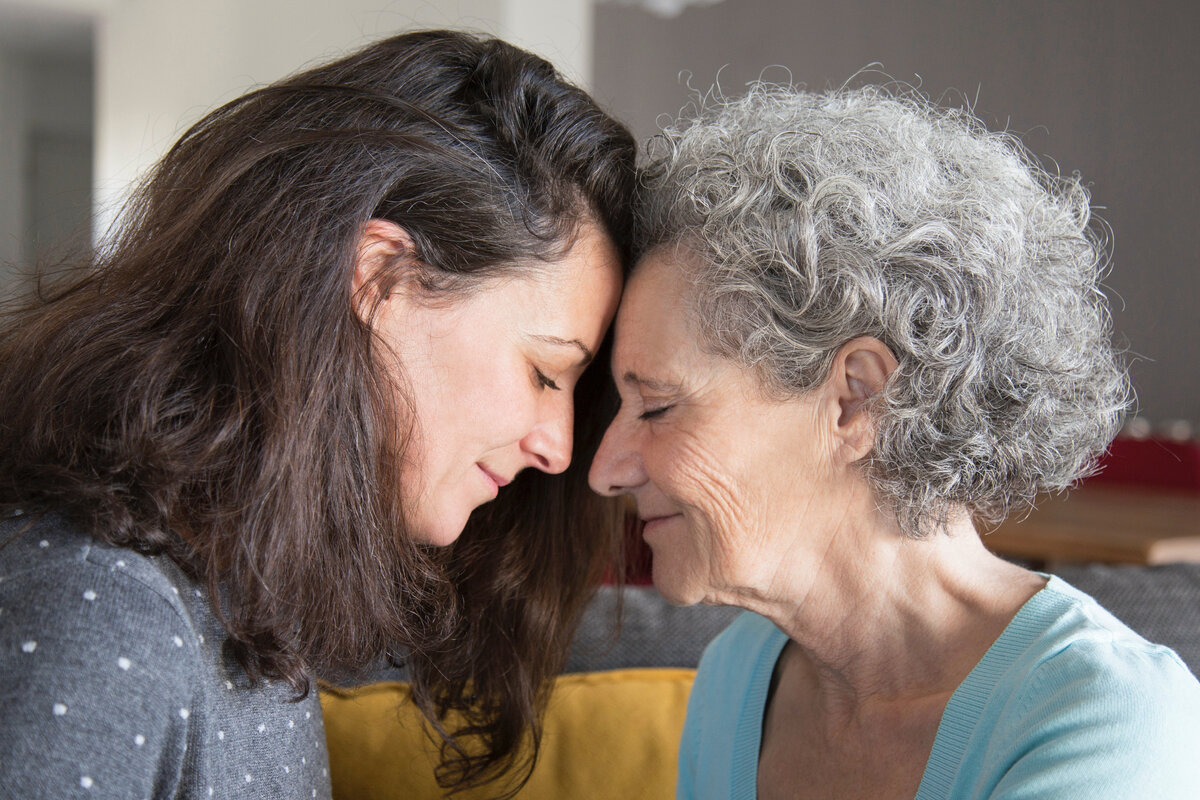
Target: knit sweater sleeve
97, 683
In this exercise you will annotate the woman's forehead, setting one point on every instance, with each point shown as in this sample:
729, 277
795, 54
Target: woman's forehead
654, 329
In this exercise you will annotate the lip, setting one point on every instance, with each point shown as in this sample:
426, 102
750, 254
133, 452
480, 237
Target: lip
651, 523
495, 479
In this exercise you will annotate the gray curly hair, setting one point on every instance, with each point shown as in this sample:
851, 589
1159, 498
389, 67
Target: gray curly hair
819, 218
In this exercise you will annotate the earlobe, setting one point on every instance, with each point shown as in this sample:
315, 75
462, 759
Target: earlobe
382, 246
860, 372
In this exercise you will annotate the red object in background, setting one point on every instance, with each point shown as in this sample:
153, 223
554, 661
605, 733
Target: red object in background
637, 553
1152, 463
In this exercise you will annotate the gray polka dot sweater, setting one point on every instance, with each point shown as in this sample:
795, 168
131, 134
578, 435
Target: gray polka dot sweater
113, 684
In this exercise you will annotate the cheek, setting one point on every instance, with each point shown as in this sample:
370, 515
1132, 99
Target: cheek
506, 404
710, 486
485, 404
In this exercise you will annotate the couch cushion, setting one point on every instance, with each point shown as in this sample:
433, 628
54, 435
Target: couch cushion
607, 734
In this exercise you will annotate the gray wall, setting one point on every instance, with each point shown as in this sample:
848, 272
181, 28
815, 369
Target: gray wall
46, 110
1104, 87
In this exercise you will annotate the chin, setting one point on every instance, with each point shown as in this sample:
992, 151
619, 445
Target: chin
673, 589
441, 532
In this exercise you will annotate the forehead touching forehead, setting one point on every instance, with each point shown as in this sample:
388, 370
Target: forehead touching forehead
656, 319
666, 276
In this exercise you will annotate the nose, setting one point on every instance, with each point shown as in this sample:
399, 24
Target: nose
547, 446
618, 467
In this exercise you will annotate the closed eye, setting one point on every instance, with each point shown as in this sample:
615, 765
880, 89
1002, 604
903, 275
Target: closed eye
651, 413
545, 381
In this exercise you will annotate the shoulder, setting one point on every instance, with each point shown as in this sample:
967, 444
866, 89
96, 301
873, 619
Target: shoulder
1095, 671
1096, 710
66, 594
50, 555
735, 669
98, 657
724, 715
736, 649
1081, 647
733, 661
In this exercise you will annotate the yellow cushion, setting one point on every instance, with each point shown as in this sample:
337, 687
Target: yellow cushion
608, 734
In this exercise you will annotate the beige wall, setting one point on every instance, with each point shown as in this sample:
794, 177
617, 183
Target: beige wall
13, 128
1105, 87
161, 64
45, 132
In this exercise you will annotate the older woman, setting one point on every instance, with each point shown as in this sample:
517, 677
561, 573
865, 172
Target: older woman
862, 325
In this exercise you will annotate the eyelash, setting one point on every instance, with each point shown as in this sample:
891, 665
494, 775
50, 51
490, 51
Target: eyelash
653, 412
545, 381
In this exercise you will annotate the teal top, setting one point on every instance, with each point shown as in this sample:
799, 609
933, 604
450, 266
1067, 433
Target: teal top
1067, 703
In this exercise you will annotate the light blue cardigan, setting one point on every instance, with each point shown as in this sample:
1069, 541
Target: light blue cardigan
1067, 703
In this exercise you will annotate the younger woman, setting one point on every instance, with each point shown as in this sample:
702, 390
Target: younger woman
251, 442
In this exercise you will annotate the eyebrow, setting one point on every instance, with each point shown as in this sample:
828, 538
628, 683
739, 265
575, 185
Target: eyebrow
588, 355
650, 383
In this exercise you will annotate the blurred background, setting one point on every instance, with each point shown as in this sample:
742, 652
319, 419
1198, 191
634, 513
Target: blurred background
92, 91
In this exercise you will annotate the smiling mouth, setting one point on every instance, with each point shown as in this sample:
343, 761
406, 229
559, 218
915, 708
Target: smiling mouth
493, 477
649, 523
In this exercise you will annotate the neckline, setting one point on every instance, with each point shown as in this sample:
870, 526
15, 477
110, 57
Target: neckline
958, 717
963, 710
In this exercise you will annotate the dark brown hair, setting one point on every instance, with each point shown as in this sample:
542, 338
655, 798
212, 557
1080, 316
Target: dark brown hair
205, 389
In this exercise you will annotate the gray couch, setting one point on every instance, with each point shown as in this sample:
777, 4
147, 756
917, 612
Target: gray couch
1161, 603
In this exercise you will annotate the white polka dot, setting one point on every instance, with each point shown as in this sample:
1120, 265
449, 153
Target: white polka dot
210, 791
124, 663
229, 685
198, 594
89, 595
184, 713
291, 723
43, 544
29, 646
87, 782
178, 642
303, 760
120, 562
314, 792
201, 638
248, 778
139, 740
287, 769
221, 735
324, 772
308, 715
60, 709
175, 589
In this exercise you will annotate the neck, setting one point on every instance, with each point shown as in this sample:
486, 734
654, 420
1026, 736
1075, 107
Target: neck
890, 618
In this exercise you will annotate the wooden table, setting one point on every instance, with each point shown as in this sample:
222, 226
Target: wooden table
1108, 524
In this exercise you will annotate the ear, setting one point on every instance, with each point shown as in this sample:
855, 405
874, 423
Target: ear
381, 245
860, 371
